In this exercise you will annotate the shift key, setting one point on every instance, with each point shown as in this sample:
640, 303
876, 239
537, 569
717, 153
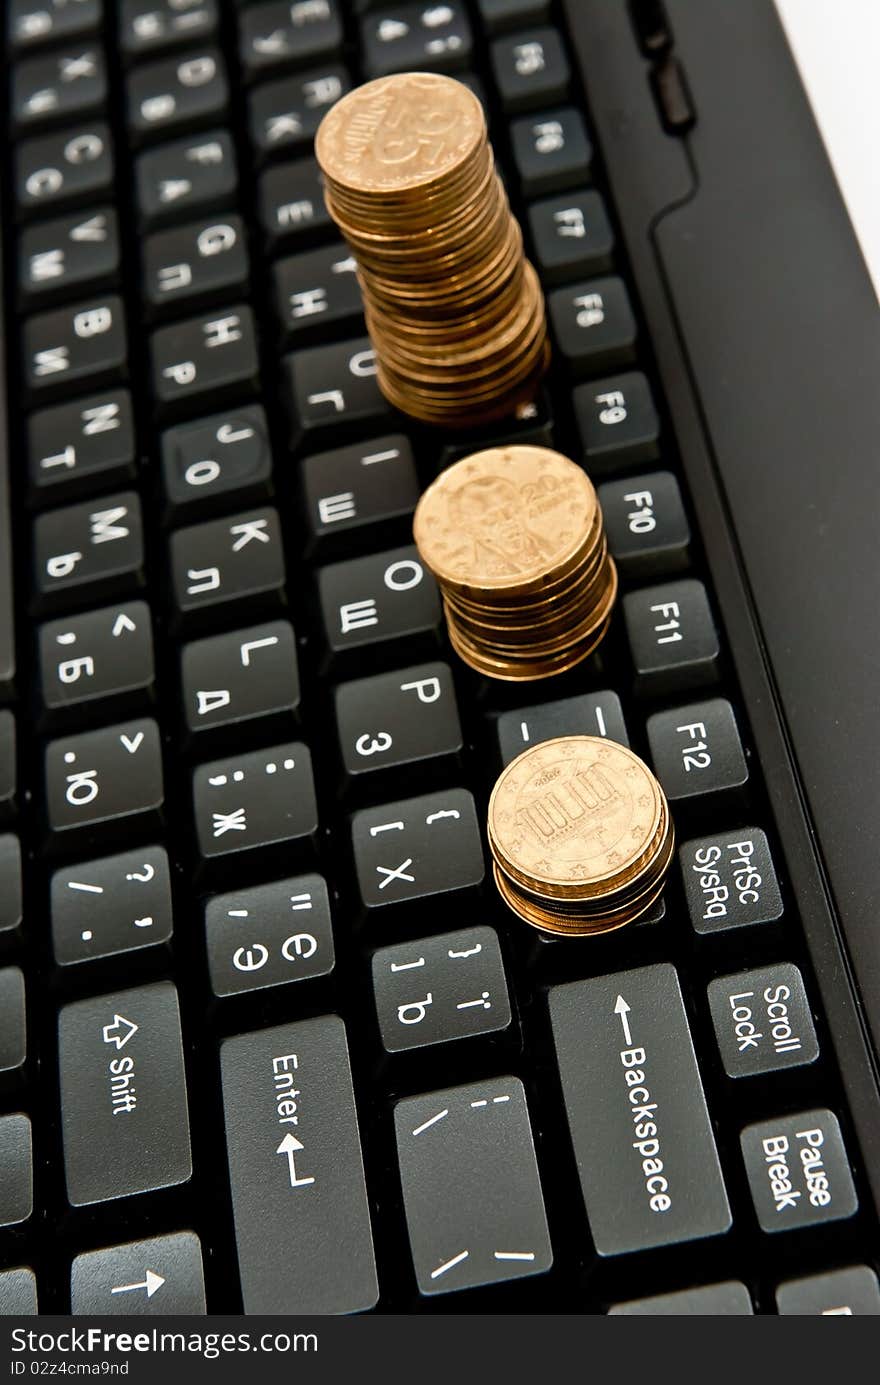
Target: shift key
123, 1094
302, 1222
642, 1137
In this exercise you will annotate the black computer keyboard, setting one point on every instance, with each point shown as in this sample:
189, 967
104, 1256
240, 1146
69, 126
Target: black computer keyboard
268, 1038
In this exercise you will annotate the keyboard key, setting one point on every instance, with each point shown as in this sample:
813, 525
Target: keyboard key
229, 679
386, 596
551, 151
16, 1170
104, 776
762, 1020
530, 69
414, 38
114, 905
672, 637
93, 549
730, 881
269, 935
593, 325
13, 1029
18, 1294
195, 261
68, 166
363, 491
285, 115
617, 421
471, 1188
235, 559
641, 1132
81, 446
798, 1171
212, 354
500, 15
588, 714
290, 202
124, 1114
8, 765
185, 176
417, 847
10, 890
839, 1293
697, 750
34, 22
318, 289
162, 1277
401, 718
283, 33
7, 606
727, 1300
433, 990
646, 525
83, 344
147, 25
571, 235
177, 91
255, 800
213, 460
75, 251
100, 655
58, 86
333, 387
302, 1221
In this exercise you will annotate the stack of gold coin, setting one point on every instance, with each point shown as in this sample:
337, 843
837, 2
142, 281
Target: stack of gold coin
453, 308
581, 836
514, 536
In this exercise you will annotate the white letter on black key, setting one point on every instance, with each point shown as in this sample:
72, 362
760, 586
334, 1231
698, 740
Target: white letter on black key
123, 1095
302, 1222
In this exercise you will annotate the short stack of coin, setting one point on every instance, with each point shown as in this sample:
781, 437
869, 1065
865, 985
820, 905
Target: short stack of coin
453, 308
580, 834
515, 538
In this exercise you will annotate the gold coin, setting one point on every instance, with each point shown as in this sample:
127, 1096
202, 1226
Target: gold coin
400, 134
500, 520
553, 922
522, 669
453, 308
618, 894
576, 811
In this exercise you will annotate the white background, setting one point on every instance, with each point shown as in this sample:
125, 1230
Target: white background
836, 44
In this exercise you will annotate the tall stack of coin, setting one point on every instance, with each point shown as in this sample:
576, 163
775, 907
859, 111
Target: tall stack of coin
581, 836
453, 308
514, 536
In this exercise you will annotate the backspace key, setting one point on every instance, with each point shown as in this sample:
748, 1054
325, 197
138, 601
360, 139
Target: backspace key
642, 1137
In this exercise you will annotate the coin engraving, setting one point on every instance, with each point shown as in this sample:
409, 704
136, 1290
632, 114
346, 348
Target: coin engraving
580, 835
399, 132
576, 810
511, 516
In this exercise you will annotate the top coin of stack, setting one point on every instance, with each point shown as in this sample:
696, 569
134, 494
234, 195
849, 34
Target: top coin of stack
514, 536
454, 310
581, 836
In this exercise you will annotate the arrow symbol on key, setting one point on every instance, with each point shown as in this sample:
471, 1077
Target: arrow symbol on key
132, 743
120, 1031
151, 1282
621, 1008
122, 622
290, 1146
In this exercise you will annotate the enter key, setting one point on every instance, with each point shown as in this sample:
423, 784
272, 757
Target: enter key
302, 1223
